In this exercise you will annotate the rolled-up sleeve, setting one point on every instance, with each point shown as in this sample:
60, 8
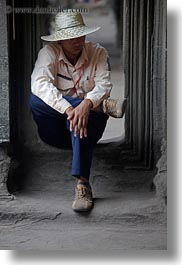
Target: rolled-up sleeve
42, 81
102, 79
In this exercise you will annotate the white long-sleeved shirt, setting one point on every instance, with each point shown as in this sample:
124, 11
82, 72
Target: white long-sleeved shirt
54, 76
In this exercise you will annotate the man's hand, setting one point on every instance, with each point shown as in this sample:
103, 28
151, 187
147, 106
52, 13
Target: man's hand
78, 117
69, 111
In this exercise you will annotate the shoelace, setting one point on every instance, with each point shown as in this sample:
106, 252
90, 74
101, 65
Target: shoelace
83, 192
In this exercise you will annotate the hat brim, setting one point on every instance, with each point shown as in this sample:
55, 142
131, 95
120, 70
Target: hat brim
70, 33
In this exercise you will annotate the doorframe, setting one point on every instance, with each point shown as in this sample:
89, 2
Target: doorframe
138, 21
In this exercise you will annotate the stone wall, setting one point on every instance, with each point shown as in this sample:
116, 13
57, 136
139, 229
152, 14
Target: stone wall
145, 59
159, 76
4, 101
23, 50
4, 76
159, 84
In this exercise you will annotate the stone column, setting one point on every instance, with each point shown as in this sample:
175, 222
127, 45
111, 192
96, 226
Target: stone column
4, 99
138, 19
159, 83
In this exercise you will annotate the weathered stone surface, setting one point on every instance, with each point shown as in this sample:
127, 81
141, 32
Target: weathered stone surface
160, 179
4, 102
123, 218
4, 168
4, 76
159, 77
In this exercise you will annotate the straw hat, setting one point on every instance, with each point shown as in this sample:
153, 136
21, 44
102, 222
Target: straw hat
69, 25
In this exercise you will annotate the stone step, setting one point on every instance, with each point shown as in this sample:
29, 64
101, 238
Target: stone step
113, 208
51, 167
44, 220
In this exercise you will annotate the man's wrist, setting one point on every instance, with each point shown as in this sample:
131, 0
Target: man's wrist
89, 102
68, 109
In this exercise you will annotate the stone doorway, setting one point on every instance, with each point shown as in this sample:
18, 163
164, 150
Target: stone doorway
136, 149
126, 205
145, 121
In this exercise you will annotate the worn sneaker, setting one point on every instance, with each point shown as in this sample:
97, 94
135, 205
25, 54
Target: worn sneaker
115, 107
83, 198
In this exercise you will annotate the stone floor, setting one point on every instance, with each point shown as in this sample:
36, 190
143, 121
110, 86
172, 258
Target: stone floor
126, 215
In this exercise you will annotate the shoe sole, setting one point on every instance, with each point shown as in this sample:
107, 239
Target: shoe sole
83, 210
124, 107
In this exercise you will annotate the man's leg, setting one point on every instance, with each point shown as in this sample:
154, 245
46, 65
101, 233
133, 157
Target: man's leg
50, 123
83, 148
82, 157
53, 129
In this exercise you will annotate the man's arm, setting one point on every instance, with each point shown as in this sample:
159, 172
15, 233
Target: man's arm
42, 80
102, 79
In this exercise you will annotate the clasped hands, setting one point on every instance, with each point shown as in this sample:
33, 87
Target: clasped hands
78, 117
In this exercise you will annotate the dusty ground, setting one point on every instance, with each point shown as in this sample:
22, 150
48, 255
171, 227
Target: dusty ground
125, 217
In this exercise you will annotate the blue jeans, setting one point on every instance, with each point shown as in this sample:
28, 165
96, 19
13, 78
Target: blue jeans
53, 129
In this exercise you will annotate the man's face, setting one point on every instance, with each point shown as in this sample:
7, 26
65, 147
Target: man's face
73, 46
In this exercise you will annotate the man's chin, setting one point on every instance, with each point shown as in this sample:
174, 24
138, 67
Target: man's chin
77, 51
77, 54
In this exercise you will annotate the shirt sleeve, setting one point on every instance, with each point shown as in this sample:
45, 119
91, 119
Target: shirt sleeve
102, 79
42, 80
